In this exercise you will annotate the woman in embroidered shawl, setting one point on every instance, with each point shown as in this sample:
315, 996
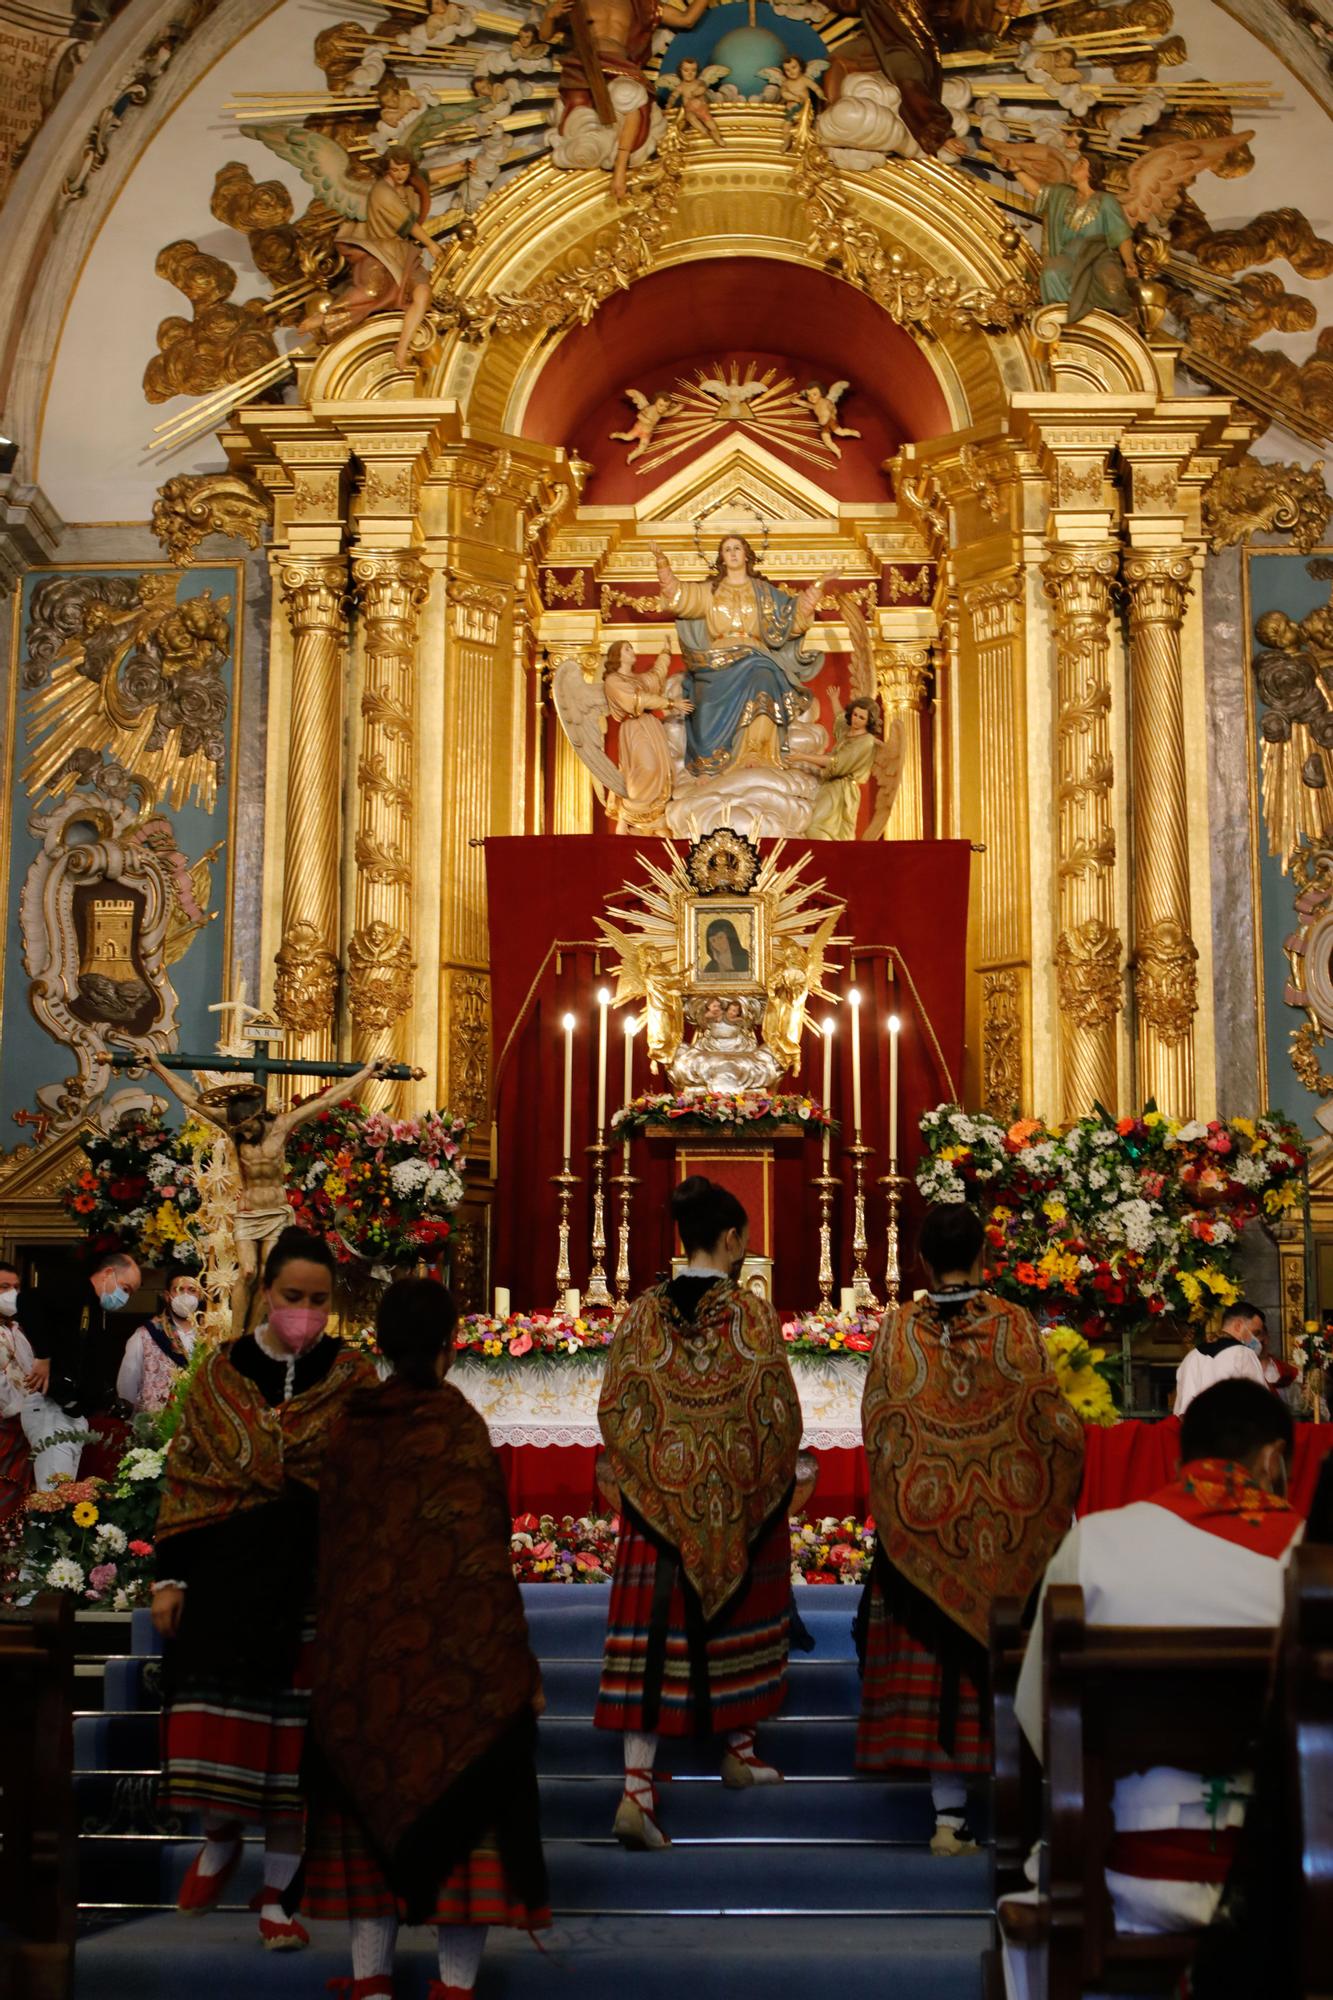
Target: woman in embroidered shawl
975, 1459
745, 668
236, 1573
426, 1691
702, 1426
158, 1352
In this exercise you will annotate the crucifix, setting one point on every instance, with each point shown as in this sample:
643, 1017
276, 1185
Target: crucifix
241, 1112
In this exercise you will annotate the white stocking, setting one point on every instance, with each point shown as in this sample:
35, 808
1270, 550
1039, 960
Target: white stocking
373, 1940
461, 1946
279, 1868
220, 1838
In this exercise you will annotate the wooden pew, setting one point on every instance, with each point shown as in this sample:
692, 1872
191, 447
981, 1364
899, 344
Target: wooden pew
1307, 1681
37, 1821
1016, 1799
1119, 1700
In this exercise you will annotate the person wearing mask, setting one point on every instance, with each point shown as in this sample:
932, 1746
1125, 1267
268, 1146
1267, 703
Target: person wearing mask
1232, 1353
702, 1426
157, 1352
964, 1427
423, 1782
16, 1366
53, 1413
235, 1557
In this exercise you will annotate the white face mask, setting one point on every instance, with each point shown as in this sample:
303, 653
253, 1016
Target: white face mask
185, 1304
9, 1304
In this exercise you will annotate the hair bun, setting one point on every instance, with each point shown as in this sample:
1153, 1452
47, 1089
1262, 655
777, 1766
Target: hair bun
692, 1189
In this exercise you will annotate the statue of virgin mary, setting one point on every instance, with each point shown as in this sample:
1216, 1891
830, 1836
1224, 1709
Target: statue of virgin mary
745, 668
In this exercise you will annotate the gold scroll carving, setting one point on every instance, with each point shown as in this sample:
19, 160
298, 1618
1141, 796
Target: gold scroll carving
1078, 580
994, 608
1165, 983
1250, 499
190, 506
391, 589
470, 1046
902, 673
314, 591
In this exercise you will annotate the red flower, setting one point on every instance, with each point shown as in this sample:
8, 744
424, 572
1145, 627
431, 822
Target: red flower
141, 1548
860, 1343
127, 1188
1025, 1273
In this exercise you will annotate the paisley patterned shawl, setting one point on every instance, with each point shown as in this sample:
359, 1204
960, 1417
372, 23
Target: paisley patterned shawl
975, 1456
233, 1451
702, 1426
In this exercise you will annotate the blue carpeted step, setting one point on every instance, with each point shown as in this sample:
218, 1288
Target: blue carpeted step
655, 1958
815, 1686
824, 1748
133, 1682
582, 1809
116, 1741
736, 1869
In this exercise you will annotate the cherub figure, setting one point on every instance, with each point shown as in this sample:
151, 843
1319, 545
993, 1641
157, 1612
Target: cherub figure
794, 84
692, 89
528, 51
823, 406
445, 22
652, 412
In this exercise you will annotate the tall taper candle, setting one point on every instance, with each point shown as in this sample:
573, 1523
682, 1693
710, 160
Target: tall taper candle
828, 1080
631, 1030
895, 1028
567, 1022
855, 998
603, 1003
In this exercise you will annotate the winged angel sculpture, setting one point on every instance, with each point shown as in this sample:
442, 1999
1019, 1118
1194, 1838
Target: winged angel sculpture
383, 233
636, 790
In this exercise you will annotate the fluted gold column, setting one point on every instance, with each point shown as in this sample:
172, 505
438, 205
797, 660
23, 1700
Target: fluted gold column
993, 608
1157, 583
314, 590
1078, 579
903, 675
391, 587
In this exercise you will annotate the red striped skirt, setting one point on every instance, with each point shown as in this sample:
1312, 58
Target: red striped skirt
745, 1650
901, 1697
15, 1471
238, 1752
343, 1879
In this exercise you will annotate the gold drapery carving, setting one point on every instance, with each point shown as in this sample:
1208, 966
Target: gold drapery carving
902, 671
1157, 583
1078, 579
314, 590
994, 608
1002, 994
470, 1045
391, 588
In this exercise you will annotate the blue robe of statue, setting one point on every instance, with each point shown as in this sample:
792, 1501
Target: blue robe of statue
731, 681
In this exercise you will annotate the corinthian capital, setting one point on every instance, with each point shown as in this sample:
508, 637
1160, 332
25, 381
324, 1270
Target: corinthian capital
1157, 582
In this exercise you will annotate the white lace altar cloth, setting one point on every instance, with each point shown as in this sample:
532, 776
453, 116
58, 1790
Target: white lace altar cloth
555, 1402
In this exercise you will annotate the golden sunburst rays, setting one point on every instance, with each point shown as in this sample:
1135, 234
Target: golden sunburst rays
72, 714
770, 407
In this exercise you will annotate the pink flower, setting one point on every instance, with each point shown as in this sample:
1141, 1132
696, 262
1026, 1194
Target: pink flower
141, 1548
100, 1578
520, 1345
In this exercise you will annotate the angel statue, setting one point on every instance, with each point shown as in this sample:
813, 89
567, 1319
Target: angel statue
692, 89
796, 970
794, 83
639, 787
382, 234
746, 671
823, 406
652, 411
724, 1057
858, 736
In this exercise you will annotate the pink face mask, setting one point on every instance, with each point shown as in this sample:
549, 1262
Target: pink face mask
298, 1327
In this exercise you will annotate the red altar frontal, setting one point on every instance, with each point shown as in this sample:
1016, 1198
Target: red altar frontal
906, 914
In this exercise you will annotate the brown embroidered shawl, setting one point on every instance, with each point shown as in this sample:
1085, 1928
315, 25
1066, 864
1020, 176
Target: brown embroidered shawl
233, 1451
975, 1456
702, 1426
423, 1661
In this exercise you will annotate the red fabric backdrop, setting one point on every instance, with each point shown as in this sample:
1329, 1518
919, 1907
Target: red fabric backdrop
545, 895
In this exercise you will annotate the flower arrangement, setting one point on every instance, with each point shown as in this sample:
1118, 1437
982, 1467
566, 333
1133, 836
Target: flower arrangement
832, 1551
93, 1538
546, 1550
759, 1114
1086, 1377
830, 1333
543, 1335
380, 1189
140, 1190
1107, 1222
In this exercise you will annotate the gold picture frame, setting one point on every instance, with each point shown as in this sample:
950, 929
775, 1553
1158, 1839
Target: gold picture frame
724, 944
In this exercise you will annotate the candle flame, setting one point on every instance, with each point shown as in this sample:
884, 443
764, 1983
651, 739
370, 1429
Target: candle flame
830, 1025
604, 996
567, 1023
894, 1024
855, 997
631, 1025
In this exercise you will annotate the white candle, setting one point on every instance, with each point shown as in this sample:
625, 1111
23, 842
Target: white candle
603, 1003
855, 999
567, 1023
631, 1030
572, 1302
501, 1302
847, 1298
829, 1026
895, 1026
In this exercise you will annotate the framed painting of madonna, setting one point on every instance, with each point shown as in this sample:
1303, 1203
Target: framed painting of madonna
725, 946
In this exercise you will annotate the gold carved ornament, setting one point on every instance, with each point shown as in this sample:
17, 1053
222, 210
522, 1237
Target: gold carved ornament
470, 1045
1309, 950
379, 975
1002, 1041
1292, 675
1253, 499
1087, 966
191, 506
305, 990
1165, 981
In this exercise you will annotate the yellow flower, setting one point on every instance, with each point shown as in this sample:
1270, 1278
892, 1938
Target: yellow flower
1000, 1213
1153, 1119
1054, 1208
1245, 1126
953, 1152
334, 1184
1219, 1285
1189, 1285
1279, 1198
85, 1514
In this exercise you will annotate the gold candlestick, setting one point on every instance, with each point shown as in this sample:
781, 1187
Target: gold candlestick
626, 1182
566, 1182
894, 1184
597, 1293
826, 1183
865, 1297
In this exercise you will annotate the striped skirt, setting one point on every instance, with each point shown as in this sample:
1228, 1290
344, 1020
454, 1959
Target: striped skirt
343, 1879
903, 1700
728, 1675
237, 1751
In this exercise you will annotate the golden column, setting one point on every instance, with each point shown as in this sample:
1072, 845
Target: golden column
391, 587
1157, 582
903, 674
314, 592
994, 608
1078, 578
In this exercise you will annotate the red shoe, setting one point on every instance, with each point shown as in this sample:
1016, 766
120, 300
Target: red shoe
378, 1987
204, 1892
286, 1936
437, 1990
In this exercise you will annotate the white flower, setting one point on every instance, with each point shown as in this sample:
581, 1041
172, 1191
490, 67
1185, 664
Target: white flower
142, 1463
965, 1128
1103, 1136
1222, 1232
121, 1601
1250, 1173
1194, 1130
1138, 1223
1097, 1177
408, 1175
111, 1539
65, 1575
445, 1187
1030, 1160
